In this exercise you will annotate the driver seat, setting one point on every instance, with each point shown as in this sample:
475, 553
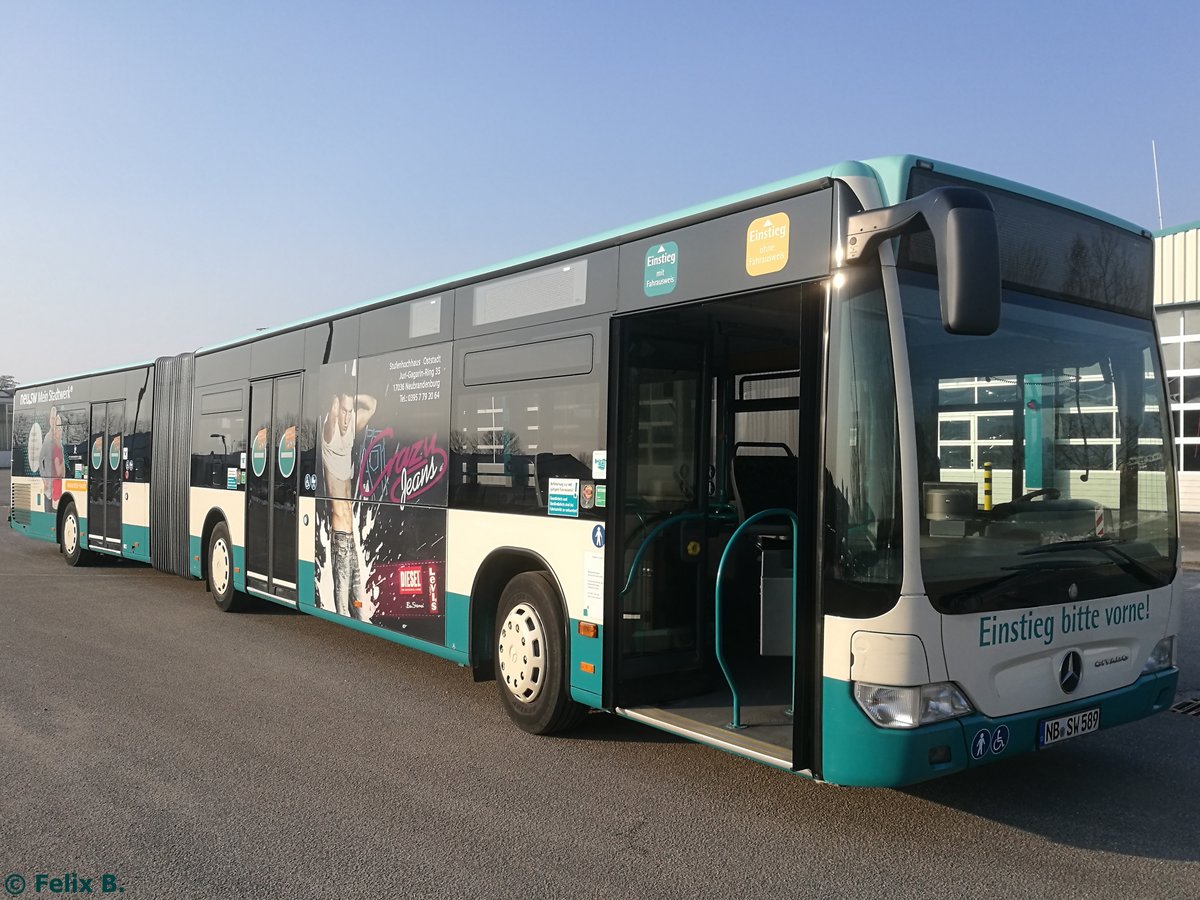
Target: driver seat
763, 481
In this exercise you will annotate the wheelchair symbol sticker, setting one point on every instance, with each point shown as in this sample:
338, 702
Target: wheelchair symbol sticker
1000, 739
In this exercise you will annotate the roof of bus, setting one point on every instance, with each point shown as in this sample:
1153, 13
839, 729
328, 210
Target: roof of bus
112, 370
890, 172
606, 237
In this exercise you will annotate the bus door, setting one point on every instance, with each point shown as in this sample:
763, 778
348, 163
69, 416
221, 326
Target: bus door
272, 488
662, 513
105, 483
716, 417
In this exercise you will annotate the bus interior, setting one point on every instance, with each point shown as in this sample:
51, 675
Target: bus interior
709, 422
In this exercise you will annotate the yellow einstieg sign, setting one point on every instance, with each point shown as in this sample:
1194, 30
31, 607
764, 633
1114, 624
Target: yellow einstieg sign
767, 244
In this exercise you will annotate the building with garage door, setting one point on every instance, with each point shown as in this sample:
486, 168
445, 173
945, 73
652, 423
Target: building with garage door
1177, 297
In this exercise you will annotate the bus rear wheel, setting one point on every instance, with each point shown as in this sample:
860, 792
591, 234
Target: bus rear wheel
531, 656
220, 571
70, 541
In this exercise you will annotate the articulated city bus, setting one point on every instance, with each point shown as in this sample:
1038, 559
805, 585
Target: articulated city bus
865, 475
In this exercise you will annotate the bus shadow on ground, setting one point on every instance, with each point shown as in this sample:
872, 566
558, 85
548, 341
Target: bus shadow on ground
1130, 791
601, 727
255, 606
251, 606
104, 561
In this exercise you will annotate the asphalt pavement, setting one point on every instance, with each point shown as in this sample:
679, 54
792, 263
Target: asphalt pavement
193, 754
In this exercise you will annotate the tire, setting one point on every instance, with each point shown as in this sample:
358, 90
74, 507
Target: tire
70, 541
220, 571
531, 659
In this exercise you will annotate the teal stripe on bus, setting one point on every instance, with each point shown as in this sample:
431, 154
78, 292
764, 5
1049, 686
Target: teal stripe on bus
42, 526
586, 686
196, 562
458, 622
1148, 695
195, 567
239, 568
857, 752
135, 542
396, 637
306, 583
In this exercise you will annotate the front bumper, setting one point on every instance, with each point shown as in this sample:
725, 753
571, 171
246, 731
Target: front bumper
855, 751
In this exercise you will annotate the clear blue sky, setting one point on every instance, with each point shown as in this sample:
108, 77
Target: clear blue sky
177, 174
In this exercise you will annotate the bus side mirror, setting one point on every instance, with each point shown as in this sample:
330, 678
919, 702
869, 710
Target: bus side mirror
966, 240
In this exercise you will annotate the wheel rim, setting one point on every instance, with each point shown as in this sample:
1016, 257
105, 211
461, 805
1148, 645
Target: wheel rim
219, 566
521, 651
70, 535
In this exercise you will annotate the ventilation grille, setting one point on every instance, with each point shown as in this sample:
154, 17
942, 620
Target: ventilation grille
1188, 707
21, 496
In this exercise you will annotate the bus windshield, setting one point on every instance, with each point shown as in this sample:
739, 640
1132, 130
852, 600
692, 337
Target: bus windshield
1062, 414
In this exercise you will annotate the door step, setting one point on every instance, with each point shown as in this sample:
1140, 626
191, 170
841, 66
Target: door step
741, 743
272, 597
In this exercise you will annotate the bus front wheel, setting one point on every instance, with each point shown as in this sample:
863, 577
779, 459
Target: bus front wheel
531, 656
220, 571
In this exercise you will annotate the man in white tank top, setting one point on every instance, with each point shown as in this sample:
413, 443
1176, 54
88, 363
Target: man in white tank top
347, 416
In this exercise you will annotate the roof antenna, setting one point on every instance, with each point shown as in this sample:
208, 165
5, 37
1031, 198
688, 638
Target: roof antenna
1157, 192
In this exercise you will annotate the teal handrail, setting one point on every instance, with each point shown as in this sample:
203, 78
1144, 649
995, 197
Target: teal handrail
718, 513
736, 723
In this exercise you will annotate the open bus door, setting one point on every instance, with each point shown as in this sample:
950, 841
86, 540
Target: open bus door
717, 433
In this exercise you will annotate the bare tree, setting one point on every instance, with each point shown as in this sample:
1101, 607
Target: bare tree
1103, 270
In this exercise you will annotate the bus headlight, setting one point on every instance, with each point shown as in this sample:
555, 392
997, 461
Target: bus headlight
1161, 657
908, 707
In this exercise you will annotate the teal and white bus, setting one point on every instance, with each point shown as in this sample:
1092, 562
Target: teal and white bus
865, 475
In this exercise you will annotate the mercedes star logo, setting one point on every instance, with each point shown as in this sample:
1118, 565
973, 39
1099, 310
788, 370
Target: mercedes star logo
1069, 671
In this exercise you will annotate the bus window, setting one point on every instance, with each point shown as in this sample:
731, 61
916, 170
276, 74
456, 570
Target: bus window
510, 439
862, 559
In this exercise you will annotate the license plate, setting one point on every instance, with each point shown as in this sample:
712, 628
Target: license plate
1052, 731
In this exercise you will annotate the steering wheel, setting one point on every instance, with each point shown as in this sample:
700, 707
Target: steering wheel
1004, 510
1048, 493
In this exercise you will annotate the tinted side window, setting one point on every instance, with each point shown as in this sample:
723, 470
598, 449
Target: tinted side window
510, 438
218, 438
23, 420
139, 407
75, 432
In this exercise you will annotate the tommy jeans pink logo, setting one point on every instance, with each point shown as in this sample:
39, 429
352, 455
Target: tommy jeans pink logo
407, 474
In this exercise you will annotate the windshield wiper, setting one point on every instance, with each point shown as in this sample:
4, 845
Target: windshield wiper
1025, 577
1107, 546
